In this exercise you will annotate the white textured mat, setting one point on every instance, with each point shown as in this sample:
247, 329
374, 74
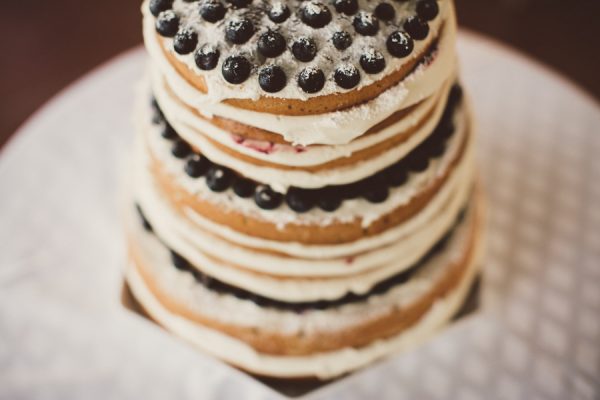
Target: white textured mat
64, 335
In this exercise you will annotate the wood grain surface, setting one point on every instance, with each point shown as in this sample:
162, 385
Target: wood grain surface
45, 45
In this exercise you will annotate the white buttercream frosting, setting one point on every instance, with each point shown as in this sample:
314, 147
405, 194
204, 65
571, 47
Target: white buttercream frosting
324, 365
189, 125
339, 127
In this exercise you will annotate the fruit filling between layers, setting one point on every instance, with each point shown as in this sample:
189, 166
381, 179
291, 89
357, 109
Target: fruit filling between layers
180, 263
374, 189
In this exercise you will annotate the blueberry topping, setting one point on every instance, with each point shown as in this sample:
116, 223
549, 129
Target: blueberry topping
347, 76
167, 23
304, 49
239, 31
300, 200
207, 57
329, 201
271, 44
197, 165
158, 6
366, 24
181, 149
244, 187
185, 41
348, 7
399, 44
212, 10
236, 69
416, 28
218, 179
279, 12
341, 40
385, 12
315, 14
168, 132
239, 3
427, 9
179, 262
266, 198
372, 61
311, 80
147, 226
272, 79
375, 191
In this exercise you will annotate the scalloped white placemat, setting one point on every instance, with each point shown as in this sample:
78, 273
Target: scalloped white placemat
64, 335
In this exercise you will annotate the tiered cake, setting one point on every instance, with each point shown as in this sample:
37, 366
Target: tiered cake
303, 193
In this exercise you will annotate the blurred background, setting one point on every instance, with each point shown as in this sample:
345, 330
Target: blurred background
45, 45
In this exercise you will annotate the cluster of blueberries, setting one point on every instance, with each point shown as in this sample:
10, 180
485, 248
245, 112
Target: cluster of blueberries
374, 189
380, 288
271, 44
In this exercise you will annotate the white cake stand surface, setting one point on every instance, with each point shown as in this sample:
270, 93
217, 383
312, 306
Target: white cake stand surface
64, 334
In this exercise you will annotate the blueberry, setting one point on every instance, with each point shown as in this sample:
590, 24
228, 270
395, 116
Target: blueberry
300, 200
239, 3
157, 6
244, 187
455, 95
185, 41
236, 69
168, 132
311, 80
341, 40
207, 57
427, 9
385, 12
315, 14
181, 149
212, 10
346, 76
197, 165
399, 44
279, 12
417, 161
416, 28
375, 191
304, 49
145, 223
239, 31
366, 24
436, 148
266, 198
218, 179
372, 61
329, 201
397, 174
272, 79
271, 44
167, 23
348, 7
179, 262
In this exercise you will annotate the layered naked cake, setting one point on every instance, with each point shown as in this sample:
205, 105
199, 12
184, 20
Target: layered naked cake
303, 189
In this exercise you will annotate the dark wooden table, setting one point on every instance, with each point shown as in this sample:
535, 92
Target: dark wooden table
45, 45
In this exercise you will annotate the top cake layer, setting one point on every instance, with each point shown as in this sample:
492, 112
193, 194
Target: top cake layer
295, 57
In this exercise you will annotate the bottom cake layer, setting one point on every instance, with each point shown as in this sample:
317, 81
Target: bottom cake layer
418, 309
